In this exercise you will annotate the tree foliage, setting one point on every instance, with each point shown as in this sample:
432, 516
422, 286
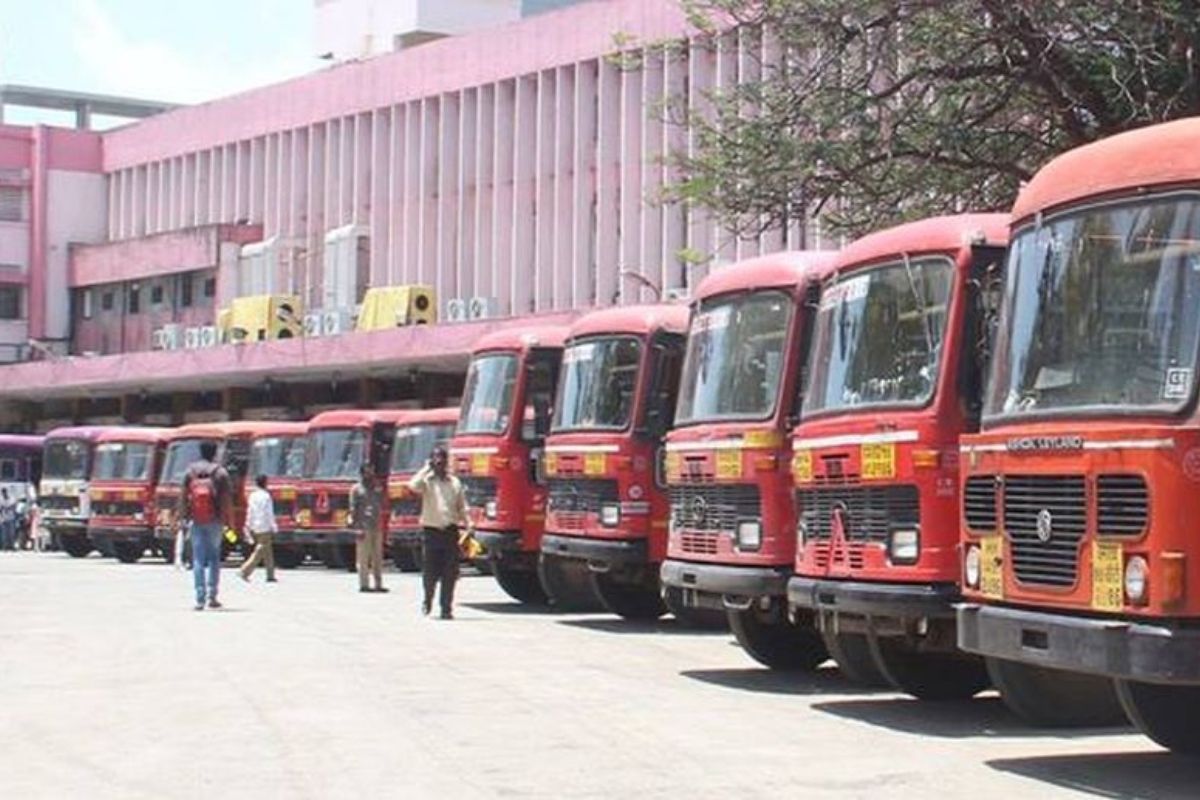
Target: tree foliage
872, 111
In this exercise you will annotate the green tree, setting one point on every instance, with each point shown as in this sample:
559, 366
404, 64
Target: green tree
869, 112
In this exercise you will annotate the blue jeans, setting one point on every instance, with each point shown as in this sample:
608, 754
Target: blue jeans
206, 560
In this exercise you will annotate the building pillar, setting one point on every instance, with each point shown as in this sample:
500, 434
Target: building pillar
83, 116
180, 403
233, 400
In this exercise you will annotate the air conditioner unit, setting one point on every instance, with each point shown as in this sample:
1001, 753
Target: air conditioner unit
336, 322
191, 338
312, 323
483, 308
210, 336
456, 310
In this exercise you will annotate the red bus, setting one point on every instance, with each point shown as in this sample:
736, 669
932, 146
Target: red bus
63, 501
277, 451
733, 523
897, 363
607, 509
125, 467
417, 433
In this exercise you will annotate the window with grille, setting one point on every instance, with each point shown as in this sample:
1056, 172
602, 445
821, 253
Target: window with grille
12, 204
10, 302
135, 299
107, 300
86, 301
185, 290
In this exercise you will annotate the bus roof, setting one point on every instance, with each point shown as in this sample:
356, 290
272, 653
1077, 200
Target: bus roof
355, 418
778, 270
933, 235
643, 320
429, 416
518, 337
150, 435
88, 433
1156, 156
222, 430
20, 441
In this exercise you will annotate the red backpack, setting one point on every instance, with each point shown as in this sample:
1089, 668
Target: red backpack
202, 497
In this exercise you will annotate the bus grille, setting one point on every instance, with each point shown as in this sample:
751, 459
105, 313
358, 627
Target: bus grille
1045, 519
478, 491
713, 506
869, 511
582, 496
979, 503
1122, 505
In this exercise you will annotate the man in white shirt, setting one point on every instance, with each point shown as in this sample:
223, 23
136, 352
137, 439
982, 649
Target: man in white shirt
444, 518
260, 530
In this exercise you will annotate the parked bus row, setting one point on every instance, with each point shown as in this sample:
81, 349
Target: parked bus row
958, 454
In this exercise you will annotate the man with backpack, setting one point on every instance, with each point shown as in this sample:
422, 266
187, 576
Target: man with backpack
207, 508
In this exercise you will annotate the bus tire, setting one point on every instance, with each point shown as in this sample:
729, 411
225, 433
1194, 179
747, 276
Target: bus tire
522, 585
75, 546
852, 652
1167, 714
128, 552
929, 676
774, 641
640, 601
568, 584
1055, 698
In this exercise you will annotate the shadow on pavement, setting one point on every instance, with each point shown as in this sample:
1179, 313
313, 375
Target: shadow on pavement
665, 626
982, 717
826, 680
1148, 776
514, 608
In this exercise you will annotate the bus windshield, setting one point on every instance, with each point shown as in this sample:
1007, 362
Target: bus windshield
598, 384
181, 454
67, 459
414, 443
878, 337
277, 456
1099, 312
335, 453
734, 360
488, 395
129, 461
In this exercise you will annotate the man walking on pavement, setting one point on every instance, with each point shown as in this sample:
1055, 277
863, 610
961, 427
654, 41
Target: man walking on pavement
366, 517
207, 508
443, 516
260, 530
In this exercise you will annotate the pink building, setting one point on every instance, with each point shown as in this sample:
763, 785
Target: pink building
517, 165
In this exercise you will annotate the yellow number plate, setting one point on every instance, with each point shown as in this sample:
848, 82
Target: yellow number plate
673, 465
340, 517
729, 464
802, 464
303, 518
551, 463
991, 562
593, 464
479, 464
130, 494
879, 461
1108, 585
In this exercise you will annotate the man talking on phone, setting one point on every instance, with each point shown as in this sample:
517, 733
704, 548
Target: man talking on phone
444, 519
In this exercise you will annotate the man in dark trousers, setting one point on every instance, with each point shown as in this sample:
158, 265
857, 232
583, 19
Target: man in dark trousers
366, 517
444, 517
207, 510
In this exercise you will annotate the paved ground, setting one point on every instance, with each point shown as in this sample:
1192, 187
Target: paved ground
111, 686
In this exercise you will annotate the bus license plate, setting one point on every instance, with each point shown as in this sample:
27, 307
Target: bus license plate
1108, 585
593, 463
879, 461
729, 464
479, 464
991, 560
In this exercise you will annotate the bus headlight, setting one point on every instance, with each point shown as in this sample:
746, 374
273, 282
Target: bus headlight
1137, 580
904, 546
489, 509
610, 515
749, 534
971, 563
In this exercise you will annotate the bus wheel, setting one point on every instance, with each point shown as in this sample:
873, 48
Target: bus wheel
568, 584
406, 559
128, 552
774, 641
75, 546
852, 652
1055, 698
929, 676
1167, 714
634, 601
289, 556
520, 584
690, 617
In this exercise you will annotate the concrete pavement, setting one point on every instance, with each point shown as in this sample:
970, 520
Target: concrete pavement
111, 686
